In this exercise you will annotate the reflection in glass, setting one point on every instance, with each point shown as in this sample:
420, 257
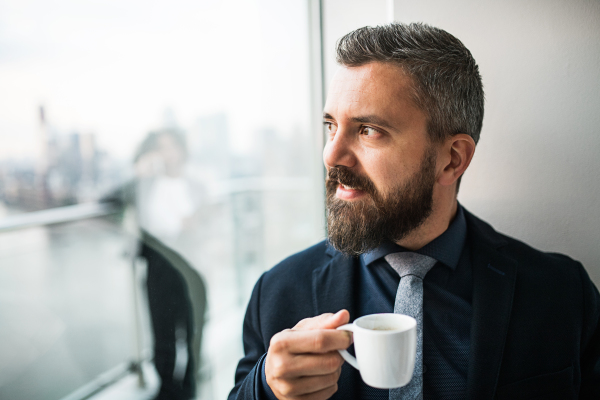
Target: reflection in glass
222, 189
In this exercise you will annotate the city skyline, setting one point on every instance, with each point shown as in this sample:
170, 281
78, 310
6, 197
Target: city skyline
113, 67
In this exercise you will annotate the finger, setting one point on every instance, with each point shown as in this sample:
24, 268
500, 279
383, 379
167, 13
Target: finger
323, 394
311, 365
313, 341
324, 321
338, 319
314, 322
308, 385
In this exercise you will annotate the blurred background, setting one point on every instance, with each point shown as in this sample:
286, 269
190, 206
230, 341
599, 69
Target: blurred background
152, 148
189, 120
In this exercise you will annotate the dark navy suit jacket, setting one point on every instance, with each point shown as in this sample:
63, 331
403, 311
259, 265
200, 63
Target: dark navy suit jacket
535, 331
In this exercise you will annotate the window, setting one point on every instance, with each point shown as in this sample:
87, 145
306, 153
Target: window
188, 120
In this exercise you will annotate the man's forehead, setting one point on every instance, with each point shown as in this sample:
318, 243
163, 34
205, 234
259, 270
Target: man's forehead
373, 82
353, 78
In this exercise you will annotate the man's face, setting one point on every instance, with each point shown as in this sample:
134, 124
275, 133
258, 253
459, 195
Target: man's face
381, 165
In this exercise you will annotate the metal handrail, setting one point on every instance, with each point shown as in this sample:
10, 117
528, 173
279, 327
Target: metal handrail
57, 215
103, 381
77, 212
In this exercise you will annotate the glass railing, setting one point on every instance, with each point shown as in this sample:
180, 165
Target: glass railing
66, 302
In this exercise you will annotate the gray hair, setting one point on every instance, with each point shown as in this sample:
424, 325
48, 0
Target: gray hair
447, 84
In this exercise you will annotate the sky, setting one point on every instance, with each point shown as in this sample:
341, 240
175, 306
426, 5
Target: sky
112, 68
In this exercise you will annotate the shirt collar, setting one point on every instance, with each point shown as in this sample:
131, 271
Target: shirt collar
446, 248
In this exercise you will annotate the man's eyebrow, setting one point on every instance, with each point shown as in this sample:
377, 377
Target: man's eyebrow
367, 119
373, 119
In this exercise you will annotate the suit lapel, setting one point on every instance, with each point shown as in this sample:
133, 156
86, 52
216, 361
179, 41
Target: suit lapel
334, 285
494, 276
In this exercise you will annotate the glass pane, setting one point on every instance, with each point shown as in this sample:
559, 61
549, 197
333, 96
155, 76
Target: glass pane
188, 121
66, 307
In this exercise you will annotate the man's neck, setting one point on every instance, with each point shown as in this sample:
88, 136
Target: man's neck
436, 224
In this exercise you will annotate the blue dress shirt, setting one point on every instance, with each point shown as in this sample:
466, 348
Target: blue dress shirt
447, 312
447, 290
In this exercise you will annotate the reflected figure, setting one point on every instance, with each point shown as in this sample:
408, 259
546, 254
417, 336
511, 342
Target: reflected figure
164, 198
165, 206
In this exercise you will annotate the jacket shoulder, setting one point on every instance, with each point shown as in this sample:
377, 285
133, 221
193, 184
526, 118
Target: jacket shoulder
283, 295
483, 233
535, 267
301, 265
529, 253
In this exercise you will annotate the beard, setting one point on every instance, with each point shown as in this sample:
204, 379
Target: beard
359, 226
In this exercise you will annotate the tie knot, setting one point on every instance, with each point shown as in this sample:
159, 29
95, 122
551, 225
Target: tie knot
407, 263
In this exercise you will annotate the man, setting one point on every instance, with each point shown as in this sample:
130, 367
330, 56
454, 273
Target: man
496, 318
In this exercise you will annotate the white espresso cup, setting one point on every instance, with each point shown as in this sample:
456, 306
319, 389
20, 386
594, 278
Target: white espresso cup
385, 347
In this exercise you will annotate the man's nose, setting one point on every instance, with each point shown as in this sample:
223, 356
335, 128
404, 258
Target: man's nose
339, 151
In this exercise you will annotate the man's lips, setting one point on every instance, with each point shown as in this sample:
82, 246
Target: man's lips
344, 192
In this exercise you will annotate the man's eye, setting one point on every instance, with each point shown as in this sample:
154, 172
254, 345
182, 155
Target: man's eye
330, 127
368, 131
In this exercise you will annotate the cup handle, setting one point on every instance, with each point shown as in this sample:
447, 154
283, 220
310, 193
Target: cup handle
344, 353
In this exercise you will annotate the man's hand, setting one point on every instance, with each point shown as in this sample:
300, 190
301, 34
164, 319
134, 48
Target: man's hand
303, 362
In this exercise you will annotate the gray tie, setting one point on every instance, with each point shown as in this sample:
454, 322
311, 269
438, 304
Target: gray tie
412, 268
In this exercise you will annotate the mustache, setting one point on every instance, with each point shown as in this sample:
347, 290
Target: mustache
344, 176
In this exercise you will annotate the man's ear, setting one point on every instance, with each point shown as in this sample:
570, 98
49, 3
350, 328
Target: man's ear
457, 153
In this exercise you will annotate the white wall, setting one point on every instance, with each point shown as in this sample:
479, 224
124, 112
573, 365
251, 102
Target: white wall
535, 171
343, 16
